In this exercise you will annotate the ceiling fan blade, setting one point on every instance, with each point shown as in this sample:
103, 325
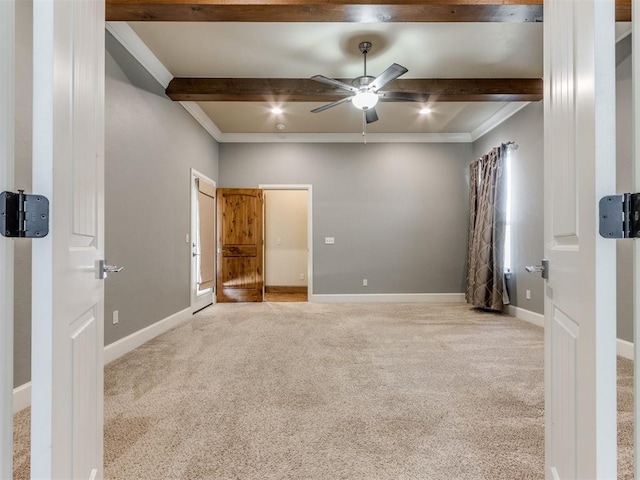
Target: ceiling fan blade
403, 97
371, 115
330, 105
334, 82
391, 73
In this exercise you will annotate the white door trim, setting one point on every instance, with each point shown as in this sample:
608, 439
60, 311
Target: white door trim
309, 189
635, 52
196, 303
7, 138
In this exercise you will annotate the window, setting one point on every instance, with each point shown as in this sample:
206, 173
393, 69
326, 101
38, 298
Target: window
508, 200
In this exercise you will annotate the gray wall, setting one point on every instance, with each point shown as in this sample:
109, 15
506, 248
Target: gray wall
22, 248
151, 145
398, 212
624, 184
527, 185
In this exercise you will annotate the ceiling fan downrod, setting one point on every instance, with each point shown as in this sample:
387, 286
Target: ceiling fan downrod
365, 47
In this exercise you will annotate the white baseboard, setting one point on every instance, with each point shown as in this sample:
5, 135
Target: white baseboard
624, 348
21, 397
388, 297
526, 315
133, 341
22, 394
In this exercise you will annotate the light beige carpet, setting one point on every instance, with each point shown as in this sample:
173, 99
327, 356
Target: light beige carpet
313, 391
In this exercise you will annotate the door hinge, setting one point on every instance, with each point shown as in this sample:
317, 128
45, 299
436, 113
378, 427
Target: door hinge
620, 216
23, 215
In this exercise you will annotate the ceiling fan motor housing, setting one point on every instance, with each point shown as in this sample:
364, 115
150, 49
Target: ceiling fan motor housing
363, 81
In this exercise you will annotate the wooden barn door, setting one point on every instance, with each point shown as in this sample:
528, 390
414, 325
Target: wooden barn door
239, 274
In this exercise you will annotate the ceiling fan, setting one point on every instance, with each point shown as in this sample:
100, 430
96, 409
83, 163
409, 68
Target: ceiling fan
365, 89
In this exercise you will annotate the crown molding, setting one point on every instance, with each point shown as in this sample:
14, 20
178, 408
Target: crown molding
203, 119
346, 138
139, 50
496, 119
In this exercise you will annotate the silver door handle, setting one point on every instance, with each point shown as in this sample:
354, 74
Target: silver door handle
102, 269
543, 269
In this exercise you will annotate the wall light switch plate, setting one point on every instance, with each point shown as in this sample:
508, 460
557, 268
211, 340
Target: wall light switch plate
115, 317
329, 240
527, 294
365, 282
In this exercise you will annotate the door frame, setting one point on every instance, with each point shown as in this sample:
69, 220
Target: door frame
309, 189
196, 303
7, 138
635, 86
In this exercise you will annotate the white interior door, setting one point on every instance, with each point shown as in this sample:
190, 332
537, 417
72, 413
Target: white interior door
68, 297
203, 238
7, 40
580, 326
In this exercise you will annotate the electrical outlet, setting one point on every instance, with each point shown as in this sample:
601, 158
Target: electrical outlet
527, 294
365, 282
329, 240
279, 241
115, 317
302, 276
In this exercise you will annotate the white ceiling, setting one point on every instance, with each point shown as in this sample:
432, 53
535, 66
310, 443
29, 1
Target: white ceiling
301, 50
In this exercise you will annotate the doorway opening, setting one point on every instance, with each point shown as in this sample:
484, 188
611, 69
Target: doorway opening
203, 235
287, 243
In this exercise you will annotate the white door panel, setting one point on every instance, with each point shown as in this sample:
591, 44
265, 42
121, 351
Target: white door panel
580, 293
68, 297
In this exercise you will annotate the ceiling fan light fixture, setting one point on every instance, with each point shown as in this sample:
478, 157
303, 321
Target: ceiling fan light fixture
425, 111
364, 100
276, 110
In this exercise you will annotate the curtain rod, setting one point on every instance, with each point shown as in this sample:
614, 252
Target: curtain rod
512, 144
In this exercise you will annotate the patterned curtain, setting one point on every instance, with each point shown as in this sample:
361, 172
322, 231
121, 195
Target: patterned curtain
485, 271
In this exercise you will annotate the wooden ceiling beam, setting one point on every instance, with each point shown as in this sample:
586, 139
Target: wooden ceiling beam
281, 90
360, 11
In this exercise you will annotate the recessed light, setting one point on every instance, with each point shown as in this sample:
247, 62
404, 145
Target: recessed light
280, 126
425, 111
276, 110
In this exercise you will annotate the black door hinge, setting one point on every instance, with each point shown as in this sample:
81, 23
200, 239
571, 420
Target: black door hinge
23, 216
620, 216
